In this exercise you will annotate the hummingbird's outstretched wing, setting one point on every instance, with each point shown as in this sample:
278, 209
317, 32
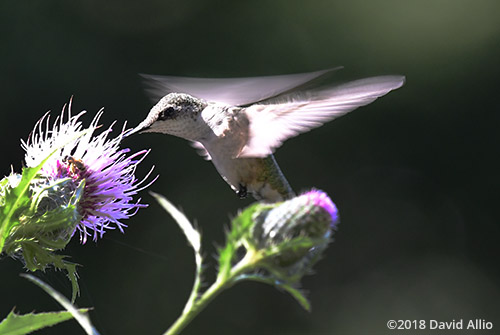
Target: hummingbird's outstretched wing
231, 91
272, 123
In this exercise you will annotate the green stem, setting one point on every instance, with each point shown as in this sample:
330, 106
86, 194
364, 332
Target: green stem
196, 285
193, 308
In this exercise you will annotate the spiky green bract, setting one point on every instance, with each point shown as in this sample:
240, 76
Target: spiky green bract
15, 195
43, 222
238, 236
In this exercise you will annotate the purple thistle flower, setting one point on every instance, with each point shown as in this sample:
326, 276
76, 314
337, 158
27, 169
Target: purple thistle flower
321, 199
108, 173
312, 213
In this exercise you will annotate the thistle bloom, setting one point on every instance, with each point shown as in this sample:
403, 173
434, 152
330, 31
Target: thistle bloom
293, 234
72, 181
97, 161
311, 214
320, 199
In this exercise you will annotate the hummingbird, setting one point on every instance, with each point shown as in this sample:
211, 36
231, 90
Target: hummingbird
237, 123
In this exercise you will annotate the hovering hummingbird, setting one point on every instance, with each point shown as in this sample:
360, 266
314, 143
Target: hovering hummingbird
239, 122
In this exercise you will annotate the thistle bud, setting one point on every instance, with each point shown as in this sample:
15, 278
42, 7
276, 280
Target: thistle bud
294, 233
46, 222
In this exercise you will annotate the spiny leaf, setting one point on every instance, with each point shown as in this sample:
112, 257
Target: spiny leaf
297, 294
239, 227
226, 256
15, 324
192, 235
194, 238
297, 245
14, 200
294, 292
82, 318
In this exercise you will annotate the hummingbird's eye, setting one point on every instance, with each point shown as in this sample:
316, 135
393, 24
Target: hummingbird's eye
167, 113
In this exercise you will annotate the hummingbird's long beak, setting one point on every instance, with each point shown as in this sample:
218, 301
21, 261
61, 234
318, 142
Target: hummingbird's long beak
142, 126
145, 124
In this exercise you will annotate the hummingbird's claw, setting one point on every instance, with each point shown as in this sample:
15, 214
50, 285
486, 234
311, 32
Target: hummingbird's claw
242, 192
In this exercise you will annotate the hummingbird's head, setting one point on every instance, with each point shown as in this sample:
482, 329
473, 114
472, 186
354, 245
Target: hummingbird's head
175, 114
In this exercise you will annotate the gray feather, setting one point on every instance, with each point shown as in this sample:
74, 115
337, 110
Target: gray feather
231, 91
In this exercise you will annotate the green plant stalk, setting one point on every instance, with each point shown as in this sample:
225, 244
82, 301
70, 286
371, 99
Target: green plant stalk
194, 307
196, 285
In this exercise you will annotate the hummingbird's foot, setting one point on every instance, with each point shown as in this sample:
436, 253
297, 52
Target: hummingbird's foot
242, 191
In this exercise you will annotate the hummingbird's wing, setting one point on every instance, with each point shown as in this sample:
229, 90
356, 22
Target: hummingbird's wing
231, 91
273, 123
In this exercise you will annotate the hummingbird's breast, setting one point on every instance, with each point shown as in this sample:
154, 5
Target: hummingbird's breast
259, 176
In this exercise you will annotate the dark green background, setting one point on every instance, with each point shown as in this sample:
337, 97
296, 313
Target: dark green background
414, 175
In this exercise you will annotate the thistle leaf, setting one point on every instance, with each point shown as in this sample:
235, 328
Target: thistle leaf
193, 236
297, 294
294, 292
81, 317
240, 228
15, 324
14, 200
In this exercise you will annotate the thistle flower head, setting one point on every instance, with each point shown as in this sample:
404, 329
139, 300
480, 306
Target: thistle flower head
311, 214
73, 180
107, 172
320, 199
288, 237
